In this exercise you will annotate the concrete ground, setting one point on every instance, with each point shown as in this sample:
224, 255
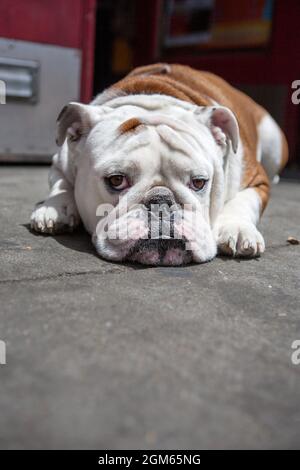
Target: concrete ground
101, 355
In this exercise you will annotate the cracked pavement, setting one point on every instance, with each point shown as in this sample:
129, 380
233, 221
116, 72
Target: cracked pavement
103, 355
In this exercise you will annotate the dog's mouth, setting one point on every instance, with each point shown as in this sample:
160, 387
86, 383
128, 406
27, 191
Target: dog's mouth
160, 251
177, 239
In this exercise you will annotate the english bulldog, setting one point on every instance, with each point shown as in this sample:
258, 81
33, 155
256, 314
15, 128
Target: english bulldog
168, 166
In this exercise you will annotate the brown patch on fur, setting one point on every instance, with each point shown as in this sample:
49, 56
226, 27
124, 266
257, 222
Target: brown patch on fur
129, 125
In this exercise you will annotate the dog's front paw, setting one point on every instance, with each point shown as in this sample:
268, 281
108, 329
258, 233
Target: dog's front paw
239, 238
57, 214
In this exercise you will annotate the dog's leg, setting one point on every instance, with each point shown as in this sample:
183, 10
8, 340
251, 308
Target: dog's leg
58, 213
235, 228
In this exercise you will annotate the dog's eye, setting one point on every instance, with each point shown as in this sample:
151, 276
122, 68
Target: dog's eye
118, 182
198, 183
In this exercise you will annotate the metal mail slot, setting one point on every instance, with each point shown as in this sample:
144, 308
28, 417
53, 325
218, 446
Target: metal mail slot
21, 78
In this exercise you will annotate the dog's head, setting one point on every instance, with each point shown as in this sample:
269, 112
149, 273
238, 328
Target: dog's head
149, 184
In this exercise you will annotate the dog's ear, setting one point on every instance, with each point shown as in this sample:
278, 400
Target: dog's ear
222, 123
76, 120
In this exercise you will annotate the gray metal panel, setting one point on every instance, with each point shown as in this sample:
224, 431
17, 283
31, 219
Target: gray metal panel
20, 78
27, 130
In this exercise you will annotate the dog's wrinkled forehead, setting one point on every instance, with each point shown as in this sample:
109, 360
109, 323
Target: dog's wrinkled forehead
175, 140
149, 129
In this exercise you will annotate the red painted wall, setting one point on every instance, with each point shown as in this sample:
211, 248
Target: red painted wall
66, 23
51, 22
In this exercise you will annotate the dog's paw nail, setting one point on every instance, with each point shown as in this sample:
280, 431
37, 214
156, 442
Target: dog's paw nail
232, 245
246, 245
260, 248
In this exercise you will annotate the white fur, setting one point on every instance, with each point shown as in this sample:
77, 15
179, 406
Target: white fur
270, 145
176, 142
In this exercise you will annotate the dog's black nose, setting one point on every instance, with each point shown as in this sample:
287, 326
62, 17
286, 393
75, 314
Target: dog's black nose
159, 201
159, 196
